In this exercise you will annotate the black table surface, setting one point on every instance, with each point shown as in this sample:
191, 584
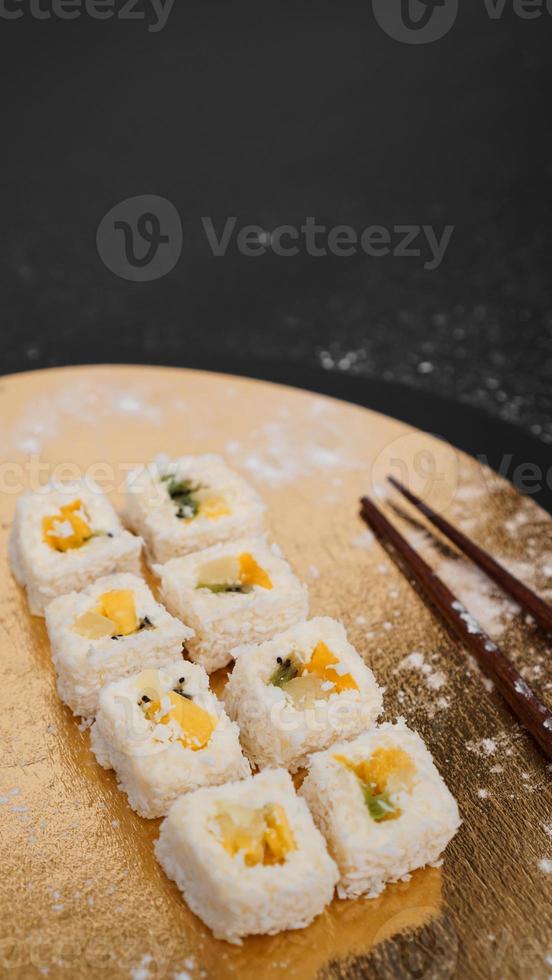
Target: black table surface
272, 112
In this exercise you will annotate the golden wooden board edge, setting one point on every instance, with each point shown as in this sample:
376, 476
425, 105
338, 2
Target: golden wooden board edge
82, 895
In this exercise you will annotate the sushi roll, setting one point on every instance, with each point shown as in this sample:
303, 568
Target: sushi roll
299, 692
184, 505
64, 538
382, 807
247, 857
233, 593
109, 630
165, 733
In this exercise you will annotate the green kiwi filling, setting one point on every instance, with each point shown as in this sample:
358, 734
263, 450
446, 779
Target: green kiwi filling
285, 671
182, 493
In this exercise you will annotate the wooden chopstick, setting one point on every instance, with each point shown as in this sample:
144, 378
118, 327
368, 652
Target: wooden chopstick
534, 715
523, 595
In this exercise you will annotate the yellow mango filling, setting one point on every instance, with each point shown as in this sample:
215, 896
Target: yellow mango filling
251, 572
388, 770
263, 836
115, 615
196, 724
322, 663
233, 574
68, 529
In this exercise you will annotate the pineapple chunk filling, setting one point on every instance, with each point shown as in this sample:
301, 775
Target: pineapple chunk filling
194, 500
263, 835
115, 615
305, 683
195, 724
213, 507
386, 772
233, 574
67, 530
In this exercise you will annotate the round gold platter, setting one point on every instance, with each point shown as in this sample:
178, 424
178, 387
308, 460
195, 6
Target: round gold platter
81, 894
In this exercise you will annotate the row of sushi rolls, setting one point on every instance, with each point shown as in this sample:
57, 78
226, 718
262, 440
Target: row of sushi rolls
250, 853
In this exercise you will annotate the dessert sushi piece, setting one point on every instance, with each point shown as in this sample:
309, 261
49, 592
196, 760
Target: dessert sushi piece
109, 630
233, 593
247, 856
165, 733
299, 692
184, 505
64, 538
382, 807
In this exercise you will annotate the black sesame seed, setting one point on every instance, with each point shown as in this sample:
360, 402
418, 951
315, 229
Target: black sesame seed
145, 698
181, 680
278, 660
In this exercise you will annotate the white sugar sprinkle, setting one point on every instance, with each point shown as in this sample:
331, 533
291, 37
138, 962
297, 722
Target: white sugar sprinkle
363, 540
545, 865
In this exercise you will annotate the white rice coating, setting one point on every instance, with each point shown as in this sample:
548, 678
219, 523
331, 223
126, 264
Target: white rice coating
370, 854
47, 573
273, 731
233, 899
222, 621
149, 510
153, 768
83, 666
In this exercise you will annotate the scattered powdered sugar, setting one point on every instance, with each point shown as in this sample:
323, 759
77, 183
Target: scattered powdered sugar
545, 865
471, 491
314, 572
521, 687
481, 599
142, 971
364, 540
360, 620
483, 793
86, 401
470, 621
185, 974
291, 447
434, 679
485, 746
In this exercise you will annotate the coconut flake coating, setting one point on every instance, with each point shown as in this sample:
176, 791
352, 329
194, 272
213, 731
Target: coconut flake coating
233, 899
370, 854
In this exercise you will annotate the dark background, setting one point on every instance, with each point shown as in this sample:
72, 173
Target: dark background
272, 111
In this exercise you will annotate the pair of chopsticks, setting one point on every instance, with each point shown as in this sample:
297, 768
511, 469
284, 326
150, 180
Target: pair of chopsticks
529, 710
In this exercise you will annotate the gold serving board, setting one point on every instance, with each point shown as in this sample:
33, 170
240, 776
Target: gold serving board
81, 893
